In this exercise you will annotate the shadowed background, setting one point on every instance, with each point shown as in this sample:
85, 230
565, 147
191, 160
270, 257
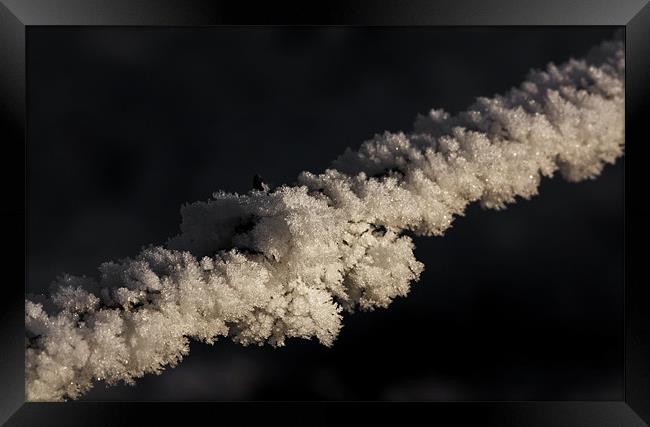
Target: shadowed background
127, 124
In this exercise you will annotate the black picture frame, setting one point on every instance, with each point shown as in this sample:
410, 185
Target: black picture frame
16, 16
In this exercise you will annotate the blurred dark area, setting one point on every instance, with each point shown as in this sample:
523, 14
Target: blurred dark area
127, 124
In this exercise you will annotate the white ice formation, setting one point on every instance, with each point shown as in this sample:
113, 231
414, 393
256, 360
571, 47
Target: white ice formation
269, 265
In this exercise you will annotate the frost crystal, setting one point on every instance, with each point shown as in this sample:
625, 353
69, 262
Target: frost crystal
286, 262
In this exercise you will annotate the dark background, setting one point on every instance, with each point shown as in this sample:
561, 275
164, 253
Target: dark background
126, 124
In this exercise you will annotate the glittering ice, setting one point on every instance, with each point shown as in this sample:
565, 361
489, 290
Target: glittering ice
274, 264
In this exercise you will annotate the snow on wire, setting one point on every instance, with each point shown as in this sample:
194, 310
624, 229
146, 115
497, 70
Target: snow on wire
287, 262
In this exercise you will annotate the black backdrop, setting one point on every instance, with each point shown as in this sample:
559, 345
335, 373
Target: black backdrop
126, 124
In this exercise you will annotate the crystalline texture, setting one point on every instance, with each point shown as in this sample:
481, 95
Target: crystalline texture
282, 263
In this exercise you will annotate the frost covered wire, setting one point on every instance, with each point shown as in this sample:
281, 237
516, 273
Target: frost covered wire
286, 262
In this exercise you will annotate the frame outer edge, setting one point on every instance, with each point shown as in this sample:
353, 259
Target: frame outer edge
637, 290
339, 12
12, 114
12, 210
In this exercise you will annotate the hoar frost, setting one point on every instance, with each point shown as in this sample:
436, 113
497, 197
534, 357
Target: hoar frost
274, 264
